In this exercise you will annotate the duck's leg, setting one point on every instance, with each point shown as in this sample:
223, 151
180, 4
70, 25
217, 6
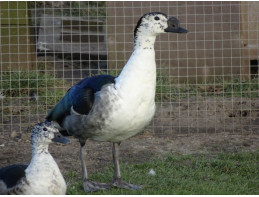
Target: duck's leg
117, 182
89, 186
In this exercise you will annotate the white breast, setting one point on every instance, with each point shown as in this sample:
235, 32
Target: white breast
44, 177
129, 103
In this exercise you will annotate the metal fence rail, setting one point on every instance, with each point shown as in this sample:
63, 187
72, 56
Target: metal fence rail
207, 80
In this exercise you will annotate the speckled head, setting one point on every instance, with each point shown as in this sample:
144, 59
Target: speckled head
154, 23
45, 133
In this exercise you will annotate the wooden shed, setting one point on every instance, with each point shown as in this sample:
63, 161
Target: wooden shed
222, 39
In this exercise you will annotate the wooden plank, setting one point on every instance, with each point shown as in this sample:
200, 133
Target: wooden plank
82, 24
14, 12
250, 38
244, 36
17, 47
201, 55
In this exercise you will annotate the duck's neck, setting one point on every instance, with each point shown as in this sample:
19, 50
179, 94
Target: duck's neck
144, 42
140, 71
40, 149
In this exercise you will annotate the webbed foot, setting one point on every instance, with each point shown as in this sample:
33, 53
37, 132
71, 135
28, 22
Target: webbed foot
91, 186
121, 184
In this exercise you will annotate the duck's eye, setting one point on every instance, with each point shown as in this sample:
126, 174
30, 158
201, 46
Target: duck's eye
157, 18
45, 129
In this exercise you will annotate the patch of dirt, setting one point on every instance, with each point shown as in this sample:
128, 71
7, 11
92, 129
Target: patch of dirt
191, 126
135, 150
208, 115
211, 132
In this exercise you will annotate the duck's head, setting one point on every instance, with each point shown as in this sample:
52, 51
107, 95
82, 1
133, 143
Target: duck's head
154, 23
45, 133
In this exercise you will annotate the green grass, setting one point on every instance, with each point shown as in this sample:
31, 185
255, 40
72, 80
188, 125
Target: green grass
167, 91
21, 85
235, 173
50, 90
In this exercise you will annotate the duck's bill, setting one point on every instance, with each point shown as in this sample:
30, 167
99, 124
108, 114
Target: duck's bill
178, 30
60, 138
174, 26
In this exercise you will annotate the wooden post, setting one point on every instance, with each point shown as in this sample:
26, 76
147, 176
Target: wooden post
17, 52
249, 32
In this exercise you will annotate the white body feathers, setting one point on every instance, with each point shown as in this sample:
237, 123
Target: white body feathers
132, 103
42, 177
123, 109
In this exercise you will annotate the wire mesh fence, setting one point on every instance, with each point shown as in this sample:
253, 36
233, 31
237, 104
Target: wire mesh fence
207, 80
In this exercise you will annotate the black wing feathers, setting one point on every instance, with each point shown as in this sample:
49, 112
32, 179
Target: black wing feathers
12, 174
80, 96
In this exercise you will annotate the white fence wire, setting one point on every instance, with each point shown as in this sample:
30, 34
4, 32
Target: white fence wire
207, 80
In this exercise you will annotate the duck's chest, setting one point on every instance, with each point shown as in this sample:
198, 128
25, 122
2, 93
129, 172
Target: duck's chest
45, 177
123, 109
122, 115
133, 112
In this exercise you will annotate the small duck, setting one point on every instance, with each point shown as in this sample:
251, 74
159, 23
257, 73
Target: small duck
42, 176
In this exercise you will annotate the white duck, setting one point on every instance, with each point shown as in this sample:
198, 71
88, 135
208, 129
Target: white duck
42, 176
107, 108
